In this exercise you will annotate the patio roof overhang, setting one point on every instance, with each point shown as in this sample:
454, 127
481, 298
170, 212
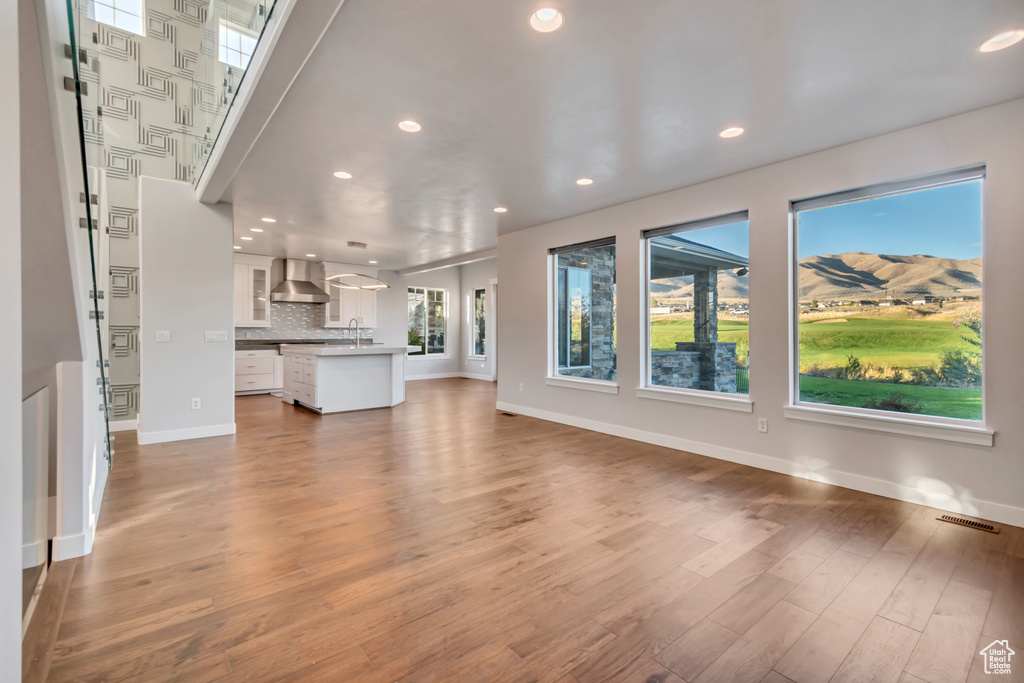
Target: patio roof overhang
673, 256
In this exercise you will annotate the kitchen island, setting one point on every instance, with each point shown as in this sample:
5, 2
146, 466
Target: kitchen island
334, 379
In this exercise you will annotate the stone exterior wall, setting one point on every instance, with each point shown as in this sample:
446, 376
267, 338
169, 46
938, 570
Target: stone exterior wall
600, 261
705, 305
677, 369
717, 364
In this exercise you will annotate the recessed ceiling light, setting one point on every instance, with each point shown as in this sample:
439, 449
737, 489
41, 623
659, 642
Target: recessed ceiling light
546, 20
410, 126
1002, 41
500, 209
310, 255
269, 220
237, 247
247, 239
733, 132
256, 229
373, 262
585, 181
342, 174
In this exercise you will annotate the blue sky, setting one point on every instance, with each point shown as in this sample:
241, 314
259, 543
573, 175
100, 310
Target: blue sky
943, 222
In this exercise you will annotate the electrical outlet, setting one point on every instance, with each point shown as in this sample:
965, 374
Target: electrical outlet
520, 387
762, 424
197, 403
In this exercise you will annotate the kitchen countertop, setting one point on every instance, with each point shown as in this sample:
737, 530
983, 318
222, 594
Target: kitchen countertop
339, 350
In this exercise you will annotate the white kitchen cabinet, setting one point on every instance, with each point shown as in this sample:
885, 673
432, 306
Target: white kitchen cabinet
346, 304
259, 371
252, 290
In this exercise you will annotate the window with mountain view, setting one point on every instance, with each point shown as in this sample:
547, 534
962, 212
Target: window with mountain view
889, 292
698, 306
584, 310
428, 321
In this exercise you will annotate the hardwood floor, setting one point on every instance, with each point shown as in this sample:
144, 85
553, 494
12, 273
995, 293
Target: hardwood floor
443, 541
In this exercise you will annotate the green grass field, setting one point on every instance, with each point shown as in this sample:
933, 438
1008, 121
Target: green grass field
884, 341
964, 404
879, 341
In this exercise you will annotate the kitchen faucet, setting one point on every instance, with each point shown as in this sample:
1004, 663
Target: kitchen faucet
356, 321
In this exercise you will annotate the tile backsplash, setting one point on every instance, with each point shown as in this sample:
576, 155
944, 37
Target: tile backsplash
297, 321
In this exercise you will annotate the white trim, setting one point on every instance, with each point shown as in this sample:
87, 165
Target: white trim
429, 356
583, 383
146, 438
124, 425
476, 357
1005, 514
436, 375
708, 399
471, 375
927, 429
69, 547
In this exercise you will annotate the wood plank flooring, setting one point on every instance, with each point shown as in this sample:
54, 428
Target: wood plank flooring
443, 541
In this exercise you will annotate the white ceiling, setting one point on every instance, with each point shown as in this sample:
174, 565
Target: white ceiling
631, 94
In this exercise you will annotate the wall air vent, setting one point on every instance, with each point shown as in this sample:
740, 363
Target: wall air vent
357, 245
970, 523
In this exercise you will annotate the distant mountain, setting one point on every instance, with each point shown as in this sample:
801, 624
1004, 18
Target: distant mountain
854, 275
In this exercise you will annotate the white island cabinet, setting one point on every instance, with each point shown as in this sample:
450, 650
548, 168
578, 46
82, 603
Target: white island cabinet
334, 379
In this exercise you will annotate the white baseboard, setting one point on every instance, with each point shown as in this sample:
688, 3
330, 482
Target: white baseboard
450, 375
33, 554
998, 512
470, 375
146, 438
436, 375
124, 425
68, 547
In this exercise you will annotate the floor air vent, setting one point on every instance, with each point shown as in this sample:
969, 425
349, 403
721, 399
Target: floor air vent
971, 523
508, 414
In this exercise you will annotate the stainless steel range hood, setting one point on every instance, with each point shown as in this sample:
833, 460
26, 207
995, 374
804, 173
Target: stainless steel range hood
297, 287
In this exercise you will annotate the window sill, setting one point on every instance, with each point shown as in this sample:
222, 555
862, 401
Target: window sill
737, 403
928, 429
431, 356
476, 357
582, 383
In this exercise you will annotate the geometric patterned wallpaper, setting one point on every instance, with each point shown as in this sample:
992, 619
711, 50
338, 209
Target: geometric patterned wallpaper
139, 117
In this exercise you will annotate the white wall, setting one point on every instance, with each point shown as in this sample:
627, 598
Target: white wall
187, 285
476, 276
10, 351
986, 481
393, 320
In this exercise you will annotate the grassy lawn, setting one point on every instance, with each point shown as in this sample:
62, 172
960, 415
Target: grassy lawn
665, 334
879, 341
959, 403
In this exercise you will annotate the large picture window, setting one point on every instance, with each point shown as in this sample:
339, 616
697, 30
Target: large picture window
428, 321
889, 293
584, 310
698, 305
123, 14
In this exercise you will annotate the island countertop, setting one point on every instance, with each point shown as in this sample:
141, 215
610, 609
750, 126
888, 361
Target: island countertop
322, 350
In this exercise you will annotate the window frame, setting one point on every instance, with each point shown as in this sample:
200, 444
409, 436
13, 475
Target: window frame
975, 432
426, 355
552, 377
473, 322
112, 5
709, 399
228, 25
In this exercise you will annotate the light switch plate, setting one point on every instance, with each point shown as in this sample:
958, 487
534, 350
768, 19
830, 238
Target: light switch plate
163, 336
216, 336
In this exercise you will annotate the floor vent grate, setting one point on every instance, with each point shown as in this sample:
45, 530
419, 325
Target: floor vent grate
507, 414
970, 523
